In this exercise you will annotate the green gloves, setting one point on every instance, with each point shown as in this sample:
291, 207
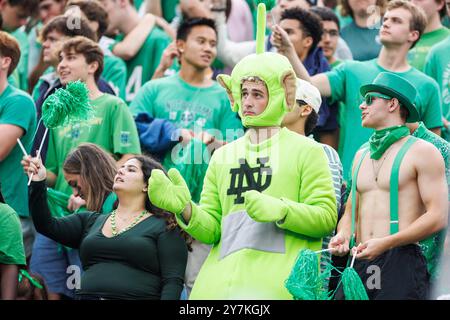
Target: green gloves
168, 193
264, 208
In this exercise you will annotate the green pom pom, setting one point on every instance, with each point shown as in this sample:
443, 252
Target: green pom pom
270, 4
67, 106
353, 286
305, 281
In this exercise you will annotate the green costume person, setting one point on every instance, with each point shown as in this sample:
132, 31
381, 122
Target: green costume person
261, 203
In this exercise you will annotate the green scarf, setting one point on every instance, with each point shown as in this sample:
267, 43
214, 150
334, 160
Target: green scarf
381, 140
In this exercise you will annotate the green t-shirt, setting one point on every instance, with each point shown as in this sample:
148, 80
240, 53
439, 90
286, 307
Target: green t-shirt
343, 21
418, 54
14, 79
340, 117
115, 73
346, 80
188, 107
112, 128
363, 42
438, 67
16, 108
22, 67
11, 243
138, 3
169, 9
335, 63
140, 69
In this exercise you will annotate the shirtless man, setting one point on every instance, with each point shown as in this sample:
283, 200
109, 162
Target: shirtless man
384, 240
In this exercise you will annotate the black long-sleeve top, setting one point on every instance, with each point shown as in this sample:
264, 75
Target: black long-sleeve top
145, 262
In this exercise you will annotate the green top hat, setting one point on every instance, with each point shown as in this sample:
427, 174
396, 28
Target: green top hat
398, 87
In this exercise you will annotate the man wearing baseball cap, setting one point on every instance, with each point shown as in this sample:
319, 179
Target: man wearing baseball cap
303, 119
398, 195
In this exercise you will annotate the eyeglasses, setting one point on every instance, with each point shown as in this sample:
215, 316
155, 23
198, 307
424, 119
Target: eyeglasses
331, 33
368, 98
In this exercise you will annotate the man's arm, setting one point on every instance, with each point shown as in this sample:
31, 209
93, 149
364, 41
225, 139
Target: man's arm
341, 241
8, 281
9, 133
169, 54
194, 9
154, 7
132, 43
281, 41
433, 191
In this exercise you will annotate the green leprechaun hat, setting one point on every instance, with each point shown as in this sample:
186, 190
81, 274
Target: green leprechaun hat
394, 86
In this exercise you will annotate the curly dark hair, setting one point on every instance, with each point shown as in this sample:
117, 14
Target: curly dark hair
310, 23
148, 164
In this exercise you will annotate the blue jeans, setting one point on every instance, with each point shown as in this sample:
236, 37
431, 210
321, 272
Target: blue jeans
51, 260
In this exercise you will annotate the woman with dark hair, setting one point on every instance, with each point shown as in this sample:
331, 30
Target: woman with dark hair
134, 252
92, 186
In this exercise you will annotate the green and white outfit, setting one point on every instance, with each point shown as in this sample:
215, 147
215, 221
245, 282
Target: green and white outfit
261, 203
250, 259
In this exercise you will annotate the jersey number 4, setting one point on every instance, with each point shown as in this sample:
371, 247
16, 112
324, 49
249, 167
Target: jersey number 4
134, 83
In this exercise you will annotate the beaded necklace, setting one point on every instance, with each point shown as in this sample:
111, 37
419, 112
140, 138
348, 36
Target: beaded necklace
114, 227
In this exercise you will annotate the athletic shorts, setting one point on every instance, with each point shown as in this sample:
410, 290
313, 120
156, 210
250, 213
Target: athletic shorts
397, 274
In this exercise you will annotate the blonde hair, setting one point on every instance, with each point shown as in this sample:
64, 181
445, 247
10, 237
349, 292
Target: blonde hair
418, 20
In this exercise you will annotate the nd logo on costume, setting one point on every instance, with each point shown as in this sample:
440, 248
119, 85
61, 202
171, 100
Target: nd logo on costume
263, 178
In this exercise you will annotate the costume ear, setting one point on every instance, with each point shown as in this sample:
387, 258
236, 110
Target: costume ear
289, 83
225, 81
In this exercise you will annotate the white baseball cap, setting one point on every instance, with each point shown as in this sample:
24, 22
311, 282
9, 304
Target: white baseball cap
308, 93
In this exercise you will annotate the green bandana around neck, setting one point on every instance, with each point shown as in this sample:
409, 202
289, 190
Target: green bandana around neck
381, 140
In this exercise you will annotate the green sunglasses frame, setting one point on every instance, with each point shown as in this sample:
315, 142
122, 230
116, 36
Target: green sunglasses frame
368, 98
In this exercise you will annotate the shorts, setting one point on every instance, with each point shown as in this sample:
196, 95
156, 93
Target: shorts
28, 234
402, 275
51, 260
